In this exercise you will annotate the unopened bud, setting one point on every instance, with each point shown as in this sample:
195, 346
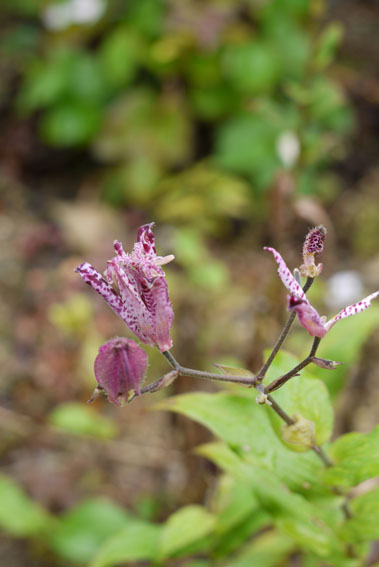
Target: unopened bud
120, 367
313, 244
301, 433
324, 363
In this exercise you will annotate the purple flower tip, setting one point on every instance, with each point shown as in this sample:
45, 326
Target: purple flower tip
314, 241
120, 367
135, 287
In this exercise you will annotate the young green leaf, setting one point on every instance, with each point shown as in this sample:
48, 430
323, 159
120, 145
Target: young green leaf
84, 528
19, 515
183, 528
356, 458
136, 542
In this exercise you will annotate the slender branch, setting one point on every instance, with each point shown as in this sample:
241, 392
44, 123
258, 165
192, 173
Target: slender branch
323, 456
246, 380
278, 383
280, 411
286, 329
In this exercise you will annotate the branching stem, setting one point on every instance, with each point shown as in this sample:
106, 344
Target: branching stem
282, 337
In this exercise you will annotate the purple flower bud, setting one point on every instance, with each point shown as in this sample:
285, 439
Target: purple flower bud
314, 244
120, 367
314, 241
135, 287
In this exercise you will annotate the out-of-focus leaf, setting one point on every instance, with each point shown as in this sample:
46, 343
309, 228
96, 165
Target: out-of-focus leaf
81, 419
251, 68
356, 458
141, 124
139, 541
364, 523
146, 16
302, 395
84, 528
119, 56
237, 513
269, 549
204, 193
246, 143
328, 43
183, 528
19, 515
74, 316
71, 123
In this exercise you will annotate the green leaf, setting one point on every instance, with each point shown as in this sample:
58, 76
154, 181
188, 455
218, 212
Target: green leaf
71, 123
356, 458
119, 55
238, 515
183, 528
328, 44
246, 426
139, 541
19, 515
84, 528
80, 419
246, 143
291, 512
268, 550
364, 524
302, 395
251, 68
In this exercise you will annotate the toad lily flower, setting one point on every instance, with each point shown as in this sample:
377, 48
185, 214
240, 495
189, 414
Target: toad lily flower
135, 287
315, 325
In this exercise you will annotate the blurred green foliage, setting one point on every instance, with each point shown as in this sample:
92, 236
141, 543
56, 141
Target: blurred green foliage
142, 83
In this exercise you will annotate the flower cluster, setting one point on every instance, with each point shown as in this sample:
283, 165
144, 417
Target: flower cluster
135, 287
308, 316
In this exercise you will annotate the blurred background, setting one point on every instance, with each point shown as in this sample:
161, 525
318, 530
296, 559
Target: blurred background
232, 124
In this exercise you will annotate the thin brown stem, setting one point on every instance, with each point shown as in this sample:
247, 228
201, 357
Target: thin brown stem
278, 382
282, 337
246, 380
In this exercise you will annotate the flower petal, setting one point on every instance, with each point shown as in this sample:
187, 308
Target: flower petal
286, 276
146, 237
99, 284
136, 314
352, 310
308, 317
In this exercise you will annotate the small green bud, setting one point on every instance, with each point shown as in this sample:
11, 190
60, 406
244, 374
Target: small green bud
301, 433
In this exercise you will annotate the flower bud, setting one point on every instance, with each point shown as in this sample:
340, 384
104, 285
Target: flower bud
120, 367
324, 363
301, 433
313, 244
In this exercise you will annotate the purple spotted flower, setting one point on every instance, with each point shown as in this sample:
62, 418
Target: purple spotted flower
135, 287
315, 325
120, 367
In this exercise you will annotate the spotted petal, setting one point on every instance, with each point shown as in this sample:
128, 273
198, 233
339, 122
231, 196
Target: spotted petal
286, 276
352, 310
